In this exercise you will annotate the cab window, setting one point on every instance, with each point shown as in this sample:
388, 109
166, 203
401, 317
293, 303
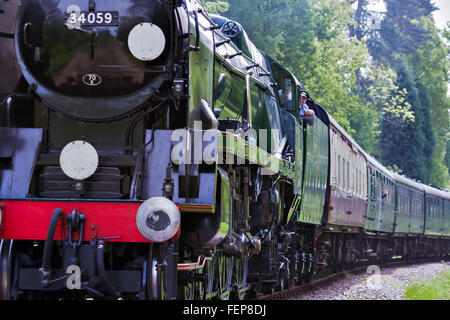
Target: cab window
285, 88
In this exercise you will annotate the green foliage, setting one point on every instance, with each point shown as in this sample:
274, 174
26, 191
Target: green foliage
436, 289
404, 142
364, 122
283, 29
379, 83
409, 43
216, 7
431, 66
395, 169
401, 32
397, 112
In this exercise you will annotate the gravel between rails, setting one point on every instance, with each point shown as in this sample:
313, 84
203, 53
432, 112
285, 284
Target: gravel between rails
390, 284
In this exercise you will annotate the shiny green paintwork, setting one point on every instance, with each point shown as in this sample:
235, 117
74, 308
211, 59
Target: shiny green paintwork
229, 95
230, 102
435, 224
230, 144
299, 149
409, 204
380, 210
315, 173
294, 133
201, 63
417, 215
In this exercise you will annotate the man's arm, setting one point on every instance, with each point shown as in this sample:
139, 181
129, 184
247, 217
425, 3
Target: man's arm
309, 113
310, 120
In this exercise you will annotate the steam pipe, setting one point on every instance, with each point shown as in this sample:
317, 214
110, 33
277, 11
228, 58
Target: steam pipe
46, 258
101, 268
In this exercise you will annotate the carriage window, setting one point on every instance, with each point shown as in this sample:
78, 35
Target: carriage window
432, 207
435, 208
360, 182
343, 174
373, 186
336, 167
348, 176
339, 171
361, 191
436, 212
356, 181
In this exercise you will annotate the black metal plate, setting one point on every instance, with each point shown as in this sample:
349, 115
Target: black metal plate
92, 18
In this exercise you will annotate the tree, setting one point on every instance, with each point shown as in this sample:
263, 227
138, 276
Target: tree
283, 29
386, 101
361, 28
401, 31
408, 42
408, 144
216, 7
430, 65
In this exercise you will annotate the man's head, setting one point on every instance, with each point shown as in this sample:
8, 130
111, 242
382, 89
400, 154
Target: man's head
303, 98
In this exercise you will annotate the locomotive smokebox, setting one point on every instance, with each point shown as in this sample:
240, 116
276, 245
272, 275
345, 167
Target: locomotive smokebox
94, 60
158, 219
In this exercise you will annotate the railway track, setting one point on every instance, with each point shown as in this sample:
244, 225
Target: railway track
298, 291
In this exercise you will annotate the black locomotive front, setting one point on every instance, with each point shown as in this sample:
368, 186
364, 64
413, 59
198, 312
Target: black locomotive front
93, 49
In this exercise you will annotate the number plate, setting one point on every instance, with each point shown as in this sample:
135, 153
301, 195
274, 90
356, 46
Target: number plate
91, 19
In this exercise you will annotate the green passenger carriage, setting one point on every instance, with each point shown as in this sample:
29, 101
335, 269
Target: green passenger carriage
381, 197
410, 203
436, 212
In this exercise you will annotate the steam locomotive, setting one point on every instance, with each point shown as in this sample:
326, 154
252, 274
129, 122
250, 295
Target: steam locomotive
149, 150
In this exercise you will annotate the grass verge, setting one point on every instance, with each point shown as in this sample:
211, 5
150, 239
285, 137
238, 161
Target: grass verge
436, 289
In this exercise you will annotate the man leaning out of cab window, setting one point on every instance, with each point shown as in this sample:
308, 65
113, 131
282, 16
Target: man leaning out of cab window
305, 113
